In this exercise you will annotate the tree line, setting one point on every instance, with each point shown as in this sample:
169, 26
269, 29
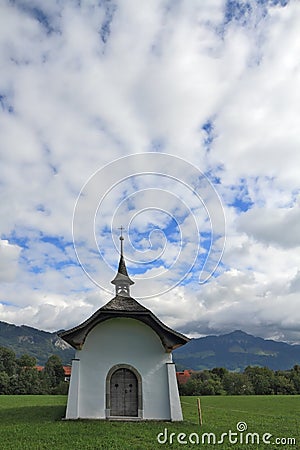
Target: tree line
252, 381
20, 375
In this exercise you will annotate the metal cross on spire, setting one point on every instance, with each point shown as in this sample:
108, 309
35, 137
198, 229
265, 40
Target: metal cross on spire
121, 228
122, 280
121, 238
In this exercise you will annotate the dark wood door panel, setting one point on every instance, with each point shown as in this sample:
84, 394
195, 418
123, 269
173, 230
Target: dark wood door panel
124, 393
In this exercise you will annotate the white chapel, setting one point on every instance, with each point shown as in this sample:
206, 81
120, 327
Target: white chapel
123, 367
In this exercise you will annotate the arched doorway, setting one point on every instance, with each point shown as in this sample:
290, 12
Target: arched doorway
124, 392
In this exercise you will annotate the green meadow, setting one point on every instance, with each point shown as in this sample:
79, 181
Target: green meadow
34, 422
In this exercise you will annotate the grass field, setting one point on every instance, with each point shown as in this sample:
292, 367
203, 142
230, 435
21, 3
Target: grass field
34, 422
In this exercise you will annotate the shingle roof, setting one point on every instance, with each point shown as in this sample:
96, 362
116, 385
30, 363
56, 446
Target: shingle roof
121, 303
126, 307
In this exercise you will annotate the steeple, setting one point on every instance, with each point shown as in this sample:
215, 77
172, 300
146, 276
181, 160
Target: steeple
122, 280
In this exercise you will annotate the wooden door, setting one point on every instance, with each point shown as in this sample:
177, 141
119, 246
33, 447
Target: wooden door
123, 393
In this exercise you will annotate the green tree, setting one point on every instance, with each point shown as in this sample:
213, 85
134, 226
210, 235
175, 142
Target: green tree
283, 384
262, 379
220, 372
27, 381
4, 383
210, 387
237, 384
61, 389
7, 361
54, 372
191, 387
202, 383
295, 378
26, 361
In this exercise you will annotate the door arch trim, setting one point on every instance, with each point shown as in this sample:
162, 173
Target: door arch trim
111, 371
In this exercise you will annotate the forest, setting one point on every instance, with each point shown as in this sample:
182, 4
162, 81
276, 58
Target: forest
20, 375
252, 381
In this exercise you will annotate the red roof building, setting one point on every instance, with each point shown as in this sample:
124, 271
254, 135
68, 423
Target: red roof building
184, 376
67, 370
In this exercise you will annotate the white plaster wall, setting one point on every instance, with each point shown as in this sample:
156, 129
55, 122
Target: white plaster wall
123, 341
175, 406
73, 397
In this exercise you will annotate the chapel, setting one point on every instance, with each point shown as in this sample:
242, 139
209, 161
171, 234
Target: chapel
123, 368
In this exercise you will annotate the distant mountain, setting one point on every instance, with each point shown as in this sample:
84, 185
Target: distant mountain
37, 343
235, 351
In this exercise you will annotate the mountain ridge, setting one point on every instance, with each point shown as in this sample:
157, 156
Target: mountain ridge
234, 351
38, 343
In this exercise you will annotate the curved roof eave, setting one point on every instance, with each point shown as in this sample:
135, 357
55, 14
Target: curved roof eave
170, 339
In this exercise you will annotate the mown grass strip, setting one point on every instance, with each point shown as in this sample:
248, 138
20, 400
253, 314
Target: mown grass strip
34, 423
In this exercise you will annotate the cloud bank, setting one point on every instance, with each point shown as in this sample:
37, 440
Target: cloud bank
216, 83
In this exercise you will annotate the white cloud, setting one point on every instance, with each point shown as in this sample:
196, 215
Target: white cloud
277, 226
84, 85
257, 125
9, 258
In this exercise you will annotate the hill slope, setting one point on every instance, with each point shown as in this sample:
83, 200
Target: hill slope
37, 343
235, 351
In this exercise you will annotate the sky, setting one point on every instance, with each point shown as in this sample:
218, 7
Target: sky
178, 120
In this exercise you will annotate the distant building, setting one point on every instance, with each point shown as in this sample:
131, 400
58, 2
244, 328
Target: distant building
67, 370
184, 376
123, 366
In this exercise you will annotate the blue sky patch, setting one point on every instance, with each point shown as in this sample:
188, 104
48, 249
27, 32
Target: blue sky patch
110, 9
5, 104
36, 13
